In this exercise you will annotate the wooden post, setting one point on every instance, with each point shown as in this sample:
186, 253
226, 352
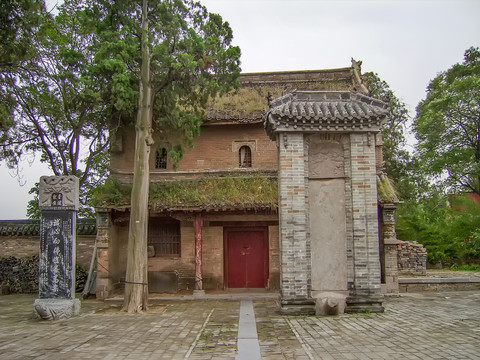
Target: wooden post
197, 224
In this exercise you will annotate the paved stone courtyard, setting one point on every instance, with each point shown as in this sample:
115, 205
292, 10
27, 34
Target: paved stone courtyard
414, 326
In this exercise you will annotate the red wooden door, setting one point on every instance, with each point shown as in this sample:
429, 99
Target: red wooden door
246, 262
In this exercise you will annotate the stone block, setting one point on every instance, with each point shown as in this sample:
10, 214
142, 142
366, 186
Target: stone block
330, 303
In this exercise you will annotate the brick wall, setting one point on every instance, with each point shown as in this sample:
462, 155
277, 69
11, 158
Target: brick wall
216, 148
113, 253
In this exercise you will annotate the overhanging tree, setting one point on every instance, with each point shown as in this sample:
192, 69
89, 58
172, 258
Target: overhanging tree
19, 22
59, 103
447, 126
181, 56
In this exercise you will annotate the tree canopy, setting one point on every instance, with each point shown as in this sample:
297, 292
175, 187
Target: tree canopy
19, 22
59, 109
399, 164
447, 126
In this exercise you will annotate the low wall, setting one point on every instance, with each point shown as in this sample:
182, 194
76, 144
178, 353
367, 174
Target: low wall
414, 285
411, 258
21, 239
25, 246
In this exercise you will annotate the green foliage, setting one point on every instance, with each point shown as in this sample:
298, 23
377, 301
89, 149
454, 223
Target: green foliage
447, 126
385, 189
59, 103
33, 211
112, 192
19, 21
442, 226
399, 165
192, 61
19, 24
465, 267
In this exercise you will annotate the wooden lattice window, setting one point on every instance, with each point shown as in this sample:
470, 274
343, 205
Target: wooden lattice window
164, 236
161, 159
245, 156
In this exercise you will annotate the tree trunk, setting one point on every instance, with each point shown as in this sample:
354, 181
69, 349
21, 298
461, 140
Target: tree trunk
136, 285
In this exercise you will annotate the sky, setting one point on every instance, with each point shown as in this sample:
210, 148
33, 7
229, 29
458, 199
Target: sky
406, 42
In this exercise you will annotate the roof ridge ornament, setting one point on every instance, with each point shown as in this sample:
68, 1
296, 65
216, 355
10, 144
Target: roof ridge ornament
358, 84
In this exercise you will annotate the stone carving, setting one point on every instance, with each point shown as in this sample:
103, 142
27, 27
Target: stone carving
330, 304
51, 309
326, 160
58, 191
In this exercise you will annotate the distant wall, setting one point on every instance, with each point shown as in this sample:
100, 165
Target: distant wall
24, 246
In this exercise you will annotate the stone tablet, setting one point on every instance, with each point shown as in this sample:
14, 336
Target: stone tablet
58, 203
57, 255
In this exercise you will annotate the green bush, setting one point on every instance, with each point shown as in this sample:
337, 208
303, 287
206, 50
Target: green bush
449, 232
465, 267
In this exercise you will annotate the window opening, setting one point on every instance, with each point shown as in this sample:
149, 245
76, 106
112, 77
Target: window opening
161, 159
245, 156
164, 236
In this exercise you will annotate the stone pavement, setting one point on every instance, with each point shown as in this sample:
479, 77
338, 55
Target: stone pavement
414, 326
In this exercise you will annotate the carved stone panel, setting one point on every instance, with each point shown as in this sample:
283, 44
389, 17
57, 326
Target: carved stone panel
58, 193
326, 159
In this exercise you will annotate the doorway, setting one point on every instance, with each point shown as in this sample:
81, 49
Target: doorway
246, 257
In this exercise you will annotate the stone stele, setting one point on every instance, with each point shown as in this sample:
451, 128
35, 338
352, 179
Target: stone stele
58, 203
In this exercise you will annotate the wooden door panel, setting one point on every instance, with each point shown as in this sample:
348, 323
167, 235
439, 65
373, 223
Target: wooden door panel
246, 258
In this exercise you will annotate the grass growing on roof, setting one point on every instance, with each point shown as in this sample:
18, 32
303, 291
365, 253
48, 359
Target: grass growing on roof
249, 99
224, 191
215, 191
385, 189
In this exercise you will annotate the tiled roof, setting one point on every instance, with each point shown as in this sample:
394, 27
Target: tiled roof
32, 227
325, 111
327, 105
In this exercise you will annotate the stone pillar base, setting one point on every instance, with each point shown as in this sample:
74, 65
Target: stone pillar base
358, 304
53, 309
297, 307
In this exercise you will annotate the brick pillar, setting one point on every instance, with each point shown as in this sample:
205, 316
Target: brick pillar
293, 207
104, 280
366, 260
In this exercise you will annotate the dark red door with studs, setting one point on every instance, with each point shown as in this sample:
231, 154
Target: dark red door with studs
246, 260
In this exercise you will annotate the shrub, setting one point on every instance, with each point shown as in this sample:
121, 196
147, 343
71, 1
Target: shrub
448, 233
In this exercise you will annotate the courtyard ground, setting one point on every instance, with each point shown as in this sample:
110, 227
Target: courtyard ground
413, 326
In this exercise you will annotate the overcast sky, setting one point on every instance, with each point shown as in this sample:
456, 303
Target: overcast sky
406, 42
